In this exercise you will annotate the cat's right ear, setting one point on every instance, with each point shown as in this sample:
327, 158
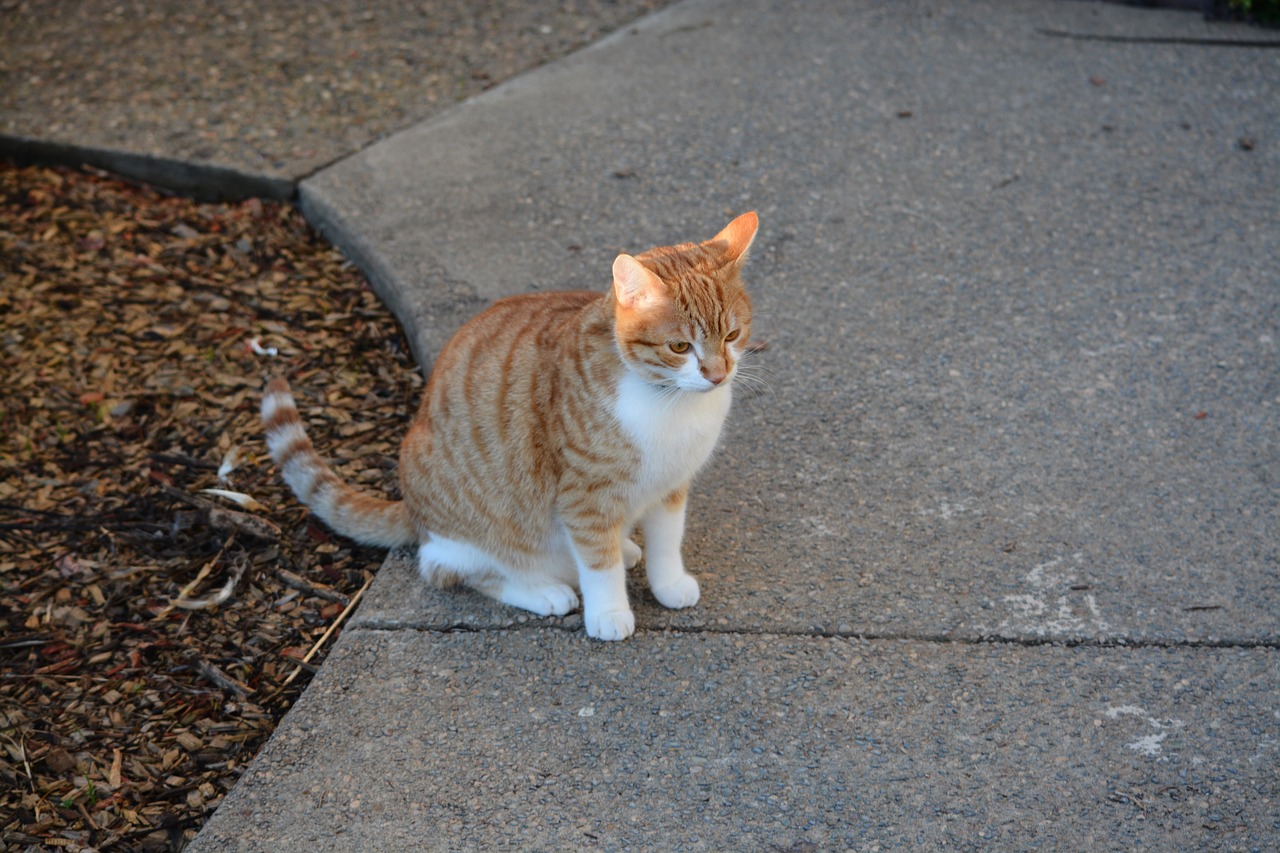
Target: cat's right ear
738, 236
633, 285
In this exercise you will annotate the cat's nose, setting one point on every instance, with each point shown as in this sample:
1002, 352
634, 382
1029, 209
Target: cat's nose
715, 377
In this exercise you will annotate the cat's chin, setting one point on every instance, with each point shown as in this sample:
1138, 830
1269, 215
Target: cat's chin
701, 386
686, 383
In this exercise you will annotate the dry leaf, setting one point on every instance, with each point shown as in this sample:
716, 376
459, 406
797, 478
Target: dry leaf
229, 463
214, 600
236, 497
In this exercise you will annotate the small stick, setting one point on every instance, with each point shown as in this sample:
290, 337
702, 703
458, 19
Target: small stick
113, 775
218, 677
201, 575
227, 519
355, 599
88, 818
31, 777
303, 585
241, 522
218, 597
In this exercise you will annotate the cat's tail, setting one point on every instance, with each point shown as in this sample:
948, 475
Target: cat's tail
365, 519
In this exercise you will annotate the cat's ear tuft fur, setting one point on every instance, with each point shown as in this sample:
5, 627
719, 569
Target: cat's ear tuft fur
737, 236
634, 286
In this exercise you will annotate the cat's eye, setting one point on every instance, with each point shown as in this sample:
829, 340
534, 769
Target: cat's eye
733, 336
679, 346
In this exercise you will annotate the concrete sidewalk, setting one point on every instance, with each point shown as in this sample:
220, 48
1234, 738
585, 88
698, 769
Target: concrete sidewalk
993, 561
237, 98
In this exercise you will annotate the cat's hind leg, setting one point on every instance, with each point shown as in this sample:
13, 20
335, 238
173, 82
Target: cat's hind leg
549, 598
631, 553
445, 562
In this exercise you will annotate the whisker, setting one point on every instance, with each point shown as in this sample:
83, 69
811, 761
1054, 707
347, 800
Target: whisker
752, 375
754, 386
667, 395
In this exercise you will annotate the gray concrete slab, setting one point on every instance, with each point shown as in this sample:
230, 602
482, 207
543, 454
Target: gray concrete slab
245, 97
1020, 291
541, 740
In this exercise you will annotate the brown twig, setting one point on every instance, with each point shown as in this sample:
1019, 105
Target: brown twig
324, 638
218, 677
303, 585
227, 520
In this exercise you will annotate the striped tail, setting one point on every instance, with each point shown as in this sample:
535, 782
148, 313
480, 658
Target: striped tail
365, 519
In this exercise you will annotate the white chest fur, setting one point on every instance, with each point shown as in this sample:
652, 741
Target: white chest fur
676, 431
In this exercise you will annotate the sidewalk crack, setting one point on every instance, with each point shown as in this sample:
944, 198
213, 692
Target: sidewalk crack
391, 625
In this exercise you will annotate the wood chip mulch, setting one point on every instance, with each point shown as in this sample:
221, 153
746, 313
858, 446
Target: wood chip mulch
153, 633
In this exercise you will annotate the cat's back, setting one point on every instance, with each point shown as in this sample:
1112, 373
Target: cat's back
516, 385
508, 344
513, 329
498, 384
540, 307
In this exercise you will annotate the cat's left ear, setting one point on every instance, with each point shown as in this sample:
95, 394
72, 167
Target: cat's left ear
633, 285
737, 235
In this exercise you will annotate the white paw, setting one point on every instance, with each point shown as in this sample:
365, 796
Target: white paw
682, 592
550, 599
630, 553
554, 600
610, 625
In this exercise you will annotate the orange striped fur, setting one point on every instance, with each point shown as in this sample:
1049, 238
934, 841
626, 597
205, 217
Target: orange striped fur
552, 425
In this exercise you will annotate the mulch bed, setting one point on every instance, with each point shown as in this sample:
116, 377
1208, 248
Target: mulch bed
155, 633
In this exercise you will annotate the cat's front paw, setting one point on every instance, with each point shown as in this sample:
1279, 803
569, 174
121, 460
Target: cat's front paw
610, 625
682, 592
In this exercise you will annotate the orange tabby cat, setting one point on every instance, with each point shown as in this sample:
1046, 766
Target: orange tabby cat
552, 425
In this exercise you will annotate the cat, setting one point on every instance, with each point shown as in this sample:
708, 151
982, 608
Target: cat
552, 424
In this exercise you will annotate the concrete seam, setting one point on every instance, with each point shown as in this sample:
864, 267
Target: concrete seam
391, 626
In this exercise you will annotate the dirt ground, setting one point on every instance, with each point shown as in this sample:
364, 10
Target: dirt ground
155, 632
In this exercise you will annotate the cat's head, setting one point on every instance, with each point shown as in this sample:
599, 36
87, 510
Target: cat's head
682, 315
